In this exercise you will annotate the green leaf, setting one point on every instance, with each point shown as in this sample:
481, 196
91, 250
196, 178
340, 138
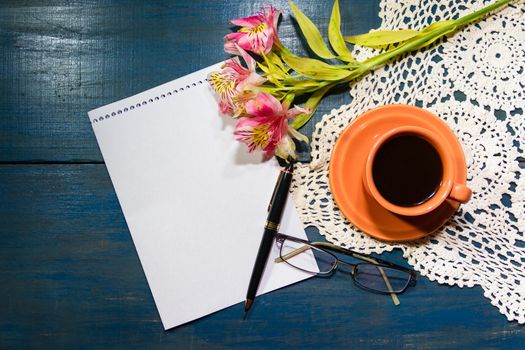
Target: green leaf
437, 25
387, 37
272, 74
272, 68
336, 38
263, 67
312, 103
302, 83
434, 27
311, 33
382, 37
315, 69
276, 60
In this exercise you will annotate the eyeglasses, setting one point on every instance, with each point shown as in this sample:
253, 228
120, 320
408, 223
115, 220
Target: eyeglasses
374, 275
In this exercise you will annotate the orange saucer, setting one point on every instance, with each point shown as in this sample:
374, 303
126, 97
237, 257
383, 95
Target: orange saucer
347, 167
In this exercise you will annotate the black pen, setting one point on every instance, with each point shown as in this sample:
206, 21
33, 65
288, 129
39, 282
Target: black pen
275, 213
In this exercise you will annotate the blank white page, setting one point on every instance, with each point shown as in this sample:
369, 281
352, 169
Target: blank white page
194, 199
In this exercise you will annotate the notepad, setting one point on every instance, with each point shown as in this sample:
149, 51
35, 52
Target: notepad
194, 199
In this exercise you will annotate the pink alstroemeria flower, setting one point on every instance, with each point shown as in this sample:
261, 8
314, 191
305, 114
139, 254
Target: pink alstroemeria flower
234, 84
257, 33
268, 128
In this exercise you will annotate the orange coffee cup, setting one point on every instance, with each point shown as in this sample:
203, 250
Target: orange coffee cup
447, 189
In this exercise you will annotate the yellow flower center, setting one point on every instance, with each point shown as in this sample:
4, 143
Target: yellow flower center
260, 135
253, 30
222, 83
240, 100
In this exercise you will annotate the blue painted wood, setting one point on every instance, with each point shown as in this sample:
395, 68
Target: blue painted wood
70, 276
62, 59
71, 279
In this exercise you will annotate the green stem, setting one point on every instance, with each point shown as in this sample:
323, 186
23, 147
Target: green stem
475, 15
381, 59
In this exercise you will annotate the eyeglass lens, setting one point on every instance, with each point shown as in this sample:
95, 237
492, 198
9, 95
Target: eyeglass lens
316, 261
373, 277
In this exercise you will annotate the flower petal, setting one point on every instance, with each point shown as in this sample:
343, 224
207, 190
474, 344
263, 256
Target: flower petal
265, 105
250, 62
251, 21
295, 111
231, 48
297, 135
286, 149
257, 33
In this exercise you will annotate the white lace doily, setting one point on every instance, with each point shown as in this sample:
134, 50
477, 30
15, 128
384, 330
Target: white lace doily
474, 81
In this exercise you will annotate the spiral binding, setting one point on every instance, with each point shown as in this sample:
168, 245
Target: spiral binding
145, 102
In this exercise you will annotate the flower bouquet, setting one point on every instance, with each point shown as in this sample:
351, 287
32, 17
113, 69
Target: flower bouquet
259, 91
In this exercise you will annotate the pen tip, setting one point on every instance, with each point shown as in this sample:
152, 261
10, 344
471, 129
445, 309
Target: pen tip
247, 306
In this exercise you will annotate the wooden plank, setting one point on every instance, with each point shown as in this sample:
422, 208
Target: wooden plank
60, 59
71, 278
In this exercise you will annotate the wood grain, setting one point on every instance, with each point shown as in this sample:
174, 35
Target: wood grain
71, 278
60, 59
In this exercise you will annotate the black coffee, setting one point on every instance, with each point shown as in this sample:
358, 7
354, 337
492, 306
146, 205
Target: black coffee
407, 170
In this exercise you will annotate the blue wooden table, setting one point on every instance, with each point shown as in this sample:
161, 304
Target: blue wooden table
69, 273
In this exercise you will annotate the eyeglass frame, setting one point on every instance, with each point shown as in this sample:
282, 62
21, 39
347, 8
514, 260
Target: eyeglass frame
280, 237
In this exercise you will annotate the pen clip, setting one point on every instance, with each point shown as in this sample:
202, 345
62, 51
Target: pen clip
281, 174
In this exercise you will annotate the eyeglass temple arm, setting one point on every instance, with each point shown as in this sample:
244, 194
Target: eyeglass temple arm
351, 253
304, 248
322, 244
395, 299
360, 256
299, 251
292, 254
393, 294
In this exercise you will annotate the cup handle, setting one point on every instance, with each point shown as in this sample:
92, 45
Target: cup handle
460, 193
